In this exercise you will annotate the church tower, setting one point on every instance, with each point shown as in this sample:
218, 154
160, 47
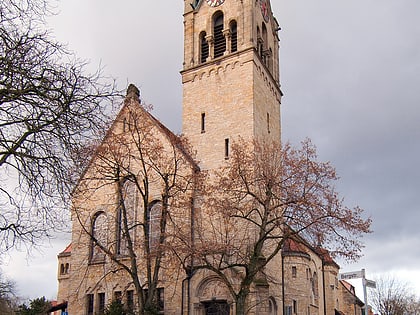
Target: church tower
230, 76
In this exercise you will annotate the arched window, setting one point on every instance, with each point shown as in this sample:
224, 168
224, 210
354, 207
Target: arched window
219, 38
126, 216
314, 283
99, 236
264, 44
272, 306
260, 42
234, 36
204, 47
155, 215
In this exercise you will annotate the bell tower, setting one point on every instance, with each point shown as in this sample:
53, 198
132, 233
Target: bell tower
230, 76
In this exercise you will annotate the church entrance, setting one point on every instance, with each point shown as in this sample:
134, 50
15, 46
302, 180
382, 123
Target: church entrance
216, 307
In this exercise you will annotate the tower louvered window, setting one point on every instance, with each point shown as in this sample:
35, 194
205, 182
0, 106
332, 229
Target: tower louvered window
219, 38
204, 48
234, 37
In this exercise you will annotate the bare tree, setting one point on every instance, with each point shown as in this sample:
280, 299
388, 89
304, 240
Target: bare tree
394, 297
7, 296
413, 307
151, 178
49, 109
265, 195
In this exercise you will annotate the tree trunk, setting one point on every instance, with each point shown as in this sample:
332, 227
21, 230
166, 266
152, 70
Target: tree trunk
241, 302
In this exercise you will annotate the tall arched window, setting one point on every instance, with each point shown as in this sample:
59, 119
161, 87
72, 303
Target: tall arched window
126, 212
314, 284
260, 42
204, 47
99, 237
264, 44
234, 36
219, 38
155, 215
272, 306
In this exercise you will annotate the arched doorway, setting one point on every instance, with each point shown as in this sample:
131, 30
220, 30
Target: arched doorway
213, 297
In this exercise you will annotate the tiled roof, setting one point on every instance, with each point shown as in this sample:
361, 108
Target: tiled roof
293, 246
67, 250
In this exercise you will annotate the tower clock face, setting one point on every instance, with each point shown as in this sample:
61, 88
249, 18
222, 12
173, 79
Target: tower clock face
264, 10
215, 3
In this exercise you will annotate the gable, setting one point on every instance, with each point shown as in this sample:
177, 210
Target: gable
132, 118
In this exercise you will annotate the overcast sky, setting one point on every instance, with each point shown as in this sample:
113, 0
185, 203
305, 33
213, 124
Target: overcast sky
350, 73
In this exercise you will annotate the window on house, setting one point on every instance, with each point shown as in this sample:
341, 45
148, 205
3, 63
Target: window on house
314, 283
155, 214
226, 148
126, 216
99, 235
260, 43
101, 303
234, 36
203, 122
219, 38
130, 300
288, 310
160, 299
268, 122
216, 308
272, 306
125, 125
295, 307
204, 47
264, 44
118, 296
89, 304
294, 271
62, 269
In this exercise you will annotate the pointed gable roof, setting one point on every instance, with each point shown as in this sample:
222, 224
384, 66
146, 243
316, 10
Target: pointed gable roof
132, 99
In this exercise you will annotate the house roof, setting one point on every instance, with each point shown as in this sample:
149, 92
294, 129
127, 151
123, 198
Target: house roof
350, 290
291, 245
66, 251
326, 257
297, 245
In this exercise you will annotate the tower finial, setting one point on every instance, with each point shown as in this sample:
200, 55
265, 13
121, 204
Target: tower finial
133, 91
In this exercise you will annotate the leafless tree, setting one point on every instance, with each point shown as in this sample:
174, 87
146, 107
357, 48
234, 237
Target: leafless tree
265, 195
49, 109
151, 177
7, 296
413, 307
394, 297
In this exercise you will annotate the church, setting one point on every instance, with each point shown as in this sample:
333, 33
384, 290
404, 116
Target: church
138, 206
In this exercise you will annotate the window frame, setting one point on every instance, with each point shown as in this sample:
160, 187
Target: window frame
96, 254
219, 44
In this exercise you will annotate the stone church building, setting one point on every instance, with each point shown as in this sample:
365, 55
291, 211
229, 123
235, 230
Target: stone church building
231, 89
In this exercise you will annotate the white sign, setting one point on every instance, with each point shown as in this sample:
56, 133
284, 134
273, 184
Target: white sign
351, 275
370, 284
